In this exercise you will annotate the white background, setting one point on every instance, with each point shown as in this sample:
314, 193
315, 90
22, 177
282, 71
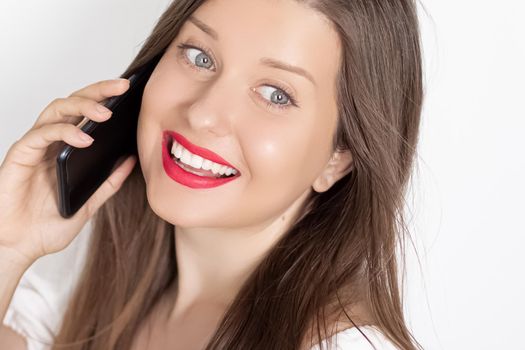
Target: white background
468, 208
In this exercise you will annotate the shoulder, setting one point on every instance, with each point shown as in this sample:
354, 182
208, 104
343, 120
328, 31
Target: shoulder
353, 339
40, 299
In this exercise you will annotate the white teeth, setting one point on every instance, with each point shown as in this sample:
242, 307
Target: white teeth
206, 165
222, 170
176, 149
215, 168
198, 162
186, 157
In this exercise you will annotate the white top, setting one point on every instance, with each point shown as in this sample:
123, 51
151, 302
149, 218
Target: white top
41, 297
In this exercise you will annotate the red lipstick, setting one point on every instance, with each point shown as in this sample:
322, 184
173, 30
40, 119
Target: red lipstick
184, 177
200, 151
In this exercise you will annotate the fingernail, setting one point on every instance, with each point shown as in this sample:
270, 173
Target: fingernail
103, 109
85, 137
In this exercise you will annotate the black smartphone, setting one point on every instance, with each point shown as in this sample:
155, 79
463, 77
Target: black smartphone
81, 171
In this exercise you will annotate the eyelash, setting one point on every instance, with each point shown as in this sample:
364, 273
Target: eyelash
183, 46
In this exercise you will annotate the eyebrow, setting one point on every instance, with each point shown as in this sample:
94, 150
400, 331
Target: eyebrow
204, 27
270, 62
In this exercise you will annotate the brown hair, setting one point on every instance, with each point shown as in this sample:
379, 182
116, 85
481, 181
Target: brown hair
339, 253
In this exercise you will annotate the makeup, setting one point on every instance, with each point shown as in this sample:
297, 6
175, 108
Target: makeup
183, 173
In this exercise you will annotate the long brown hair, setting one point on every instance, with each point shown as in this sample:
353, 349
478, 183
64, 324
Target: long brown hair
341, 250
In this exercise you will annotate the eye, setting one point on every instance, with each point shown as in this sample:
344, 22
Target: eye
204, 57
279, 94
276, 96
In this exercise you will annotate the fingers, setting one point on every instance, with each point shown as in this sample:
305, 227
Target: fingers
103, 89
108, 187
71, 109
84, 102
30, 149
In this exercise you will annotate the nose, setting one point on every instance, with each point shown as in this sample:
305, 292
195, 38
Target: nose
213, 108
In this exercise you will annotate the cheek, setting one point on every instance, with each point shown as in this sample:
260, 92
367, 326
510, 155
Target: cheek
143, 147
147, 128
283, 160
157, 111
283, 153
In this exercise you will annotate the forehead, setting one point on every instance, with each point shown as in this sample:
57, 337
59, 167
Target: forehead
279, 29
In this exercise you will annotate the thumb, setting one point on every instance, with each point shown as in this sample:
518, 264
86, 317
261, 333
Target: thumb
110, 186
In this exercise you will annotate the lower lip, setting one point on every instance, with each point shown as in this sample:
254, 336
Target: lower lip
186, 178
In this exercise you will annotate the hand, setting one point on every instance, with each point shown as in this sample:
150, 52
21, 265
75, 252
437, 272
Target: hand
30, 223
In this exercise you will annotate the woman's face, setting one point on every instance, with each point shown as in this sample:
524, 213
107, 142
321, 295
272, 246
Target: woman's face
220, 96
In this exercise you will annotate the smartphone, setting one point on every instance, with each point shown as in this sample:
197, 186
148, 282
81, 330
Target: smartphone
81, 171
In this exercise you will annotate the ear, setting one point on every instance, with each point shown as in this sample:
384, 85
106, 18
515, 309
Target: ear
340, 164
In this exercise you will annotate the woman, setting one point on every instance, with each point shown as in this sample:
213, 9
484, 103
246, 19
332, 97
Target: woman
297, 248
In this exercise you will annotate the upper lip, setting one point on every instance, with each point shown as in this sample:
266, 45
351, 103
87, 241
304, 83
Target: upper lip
200, 151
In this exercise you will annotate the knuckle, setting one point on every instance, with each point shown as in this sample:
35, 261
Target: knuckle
83, 105
111, 184
56, 105
51, 106
14, 146
58, 101
69, 128
76, 92
101, 84
29, 134
75, 99
92, 104
89, 207
42, 132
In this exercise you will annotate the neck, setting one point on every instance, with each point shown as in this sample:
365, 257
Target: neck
213, 263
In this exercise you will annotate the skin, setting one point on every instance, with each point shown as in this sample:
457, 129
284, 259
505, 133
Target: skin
222, 233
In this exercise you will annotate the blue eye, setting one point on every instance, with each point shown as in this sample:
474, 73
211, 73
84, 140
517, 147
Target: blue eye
204, 58
278, 95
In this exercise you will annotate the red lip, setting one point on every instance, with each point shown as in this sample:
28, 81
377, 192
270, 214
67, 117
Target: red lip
184, 177
203, 152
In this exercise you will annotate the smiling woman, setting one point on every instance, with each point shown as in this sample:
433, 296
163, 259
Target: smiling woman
275, 143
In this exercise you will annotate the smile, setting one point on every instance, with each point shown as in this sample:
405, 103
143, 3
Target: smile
194, 166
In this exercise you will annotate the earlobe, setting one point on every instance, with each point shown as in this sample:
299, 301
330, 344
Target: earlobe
340, 164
